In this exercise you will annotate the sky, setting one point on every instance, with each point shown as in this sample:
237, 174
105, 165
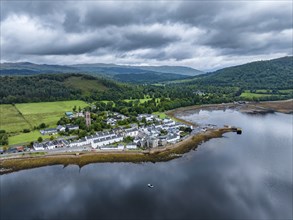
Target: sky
205, 35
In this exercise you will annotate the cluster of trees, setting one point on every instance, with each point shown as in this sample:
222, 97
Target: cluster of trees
3, 137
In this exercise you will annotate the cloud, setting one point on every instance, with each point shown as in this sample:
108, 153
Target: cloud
198, 34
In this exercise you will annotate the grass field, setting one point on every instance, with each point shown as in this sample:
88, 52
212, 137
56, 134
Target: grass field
251, 95
140, 100
27, 115
26, 137
49, 107
47, 112
161, 115
11, 120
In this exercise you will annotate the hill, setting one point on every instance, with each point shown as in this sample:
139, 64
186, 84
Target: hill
26, 68
52, 87
269, 74
161, 73
181, 70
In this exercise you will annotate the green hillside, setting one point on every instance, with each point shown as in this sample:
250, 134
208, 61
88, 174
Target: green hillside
53, 87
271, 74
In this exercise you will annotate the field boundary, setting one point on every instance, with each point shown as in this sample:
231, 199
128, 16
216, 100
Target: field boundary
19, 112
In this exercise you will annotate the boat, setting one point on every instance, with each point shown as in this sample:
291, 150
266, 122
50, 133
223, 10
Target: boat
150, 185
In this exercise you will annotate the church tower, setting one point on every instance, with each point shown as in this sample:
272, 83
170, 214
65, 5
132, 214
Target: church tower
88, 119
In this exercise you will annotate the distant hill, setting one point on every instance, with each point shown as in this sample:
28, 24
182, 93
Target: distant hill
276, 73
26, 68
148, 77
181, 70
118, 72
127, 69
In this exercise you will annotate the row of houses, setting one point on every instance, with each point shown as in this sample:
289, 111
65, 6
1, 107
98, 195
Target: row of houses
50, 145
59, 128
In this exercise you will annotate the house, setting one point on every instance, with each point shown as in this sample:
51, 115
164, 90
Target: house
131, 146
72, 127
162, 141
49, 131
79, 143
38, 146
79, 114
103, 141
49, 145
60, 128
69, 114
148, 117
173, 138
132, 132
152, 142
20, 149
119, 147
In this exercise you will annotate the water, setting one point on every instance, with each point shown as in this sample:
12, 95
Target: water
246, 176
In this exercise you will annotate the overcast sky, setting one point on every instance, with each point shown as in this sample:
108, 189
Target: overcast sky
200, 34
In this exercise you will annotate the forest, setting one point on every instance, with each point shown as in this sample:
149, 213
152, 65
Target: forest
269, 80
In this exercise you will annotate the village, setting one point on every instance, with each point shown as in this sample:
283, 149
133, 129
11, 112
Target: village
155, 133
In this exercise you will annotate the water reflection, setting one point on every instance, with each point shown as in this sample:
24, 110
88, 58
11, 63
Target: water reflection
237, 177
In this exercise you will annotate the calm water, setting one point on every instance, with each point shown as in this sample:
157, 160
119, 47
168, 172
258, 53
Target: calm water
246, 176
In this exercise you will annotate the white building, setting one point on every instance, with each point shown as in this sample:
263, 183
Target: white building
80, 143
131, 146
173, 139
119, 147
106, 141
38, 146
132, 132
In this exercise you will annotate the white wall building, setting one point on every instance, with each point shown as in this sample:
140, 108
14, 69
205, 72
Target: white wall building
131, 146
106, 141
132, 132
119, 147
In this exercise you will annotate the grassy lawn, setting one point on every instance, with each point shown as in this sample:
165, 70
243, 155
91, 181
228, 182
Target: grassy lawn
251, 95
11, 120
161, 115
26, 137
287, 91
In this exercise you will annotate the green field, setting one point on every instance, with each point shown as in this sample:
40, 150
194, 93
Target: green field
47, 112
26, 137
140, 100
161, 115
27, 115
11, 120
252, 95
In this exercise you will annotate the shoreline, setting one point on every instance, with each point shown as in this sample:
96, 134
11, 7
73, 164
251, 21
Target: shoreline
160, 154
281, 106
167, 153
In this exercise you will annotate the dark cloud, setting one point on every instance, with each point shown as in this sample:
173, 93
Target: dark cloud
145, 32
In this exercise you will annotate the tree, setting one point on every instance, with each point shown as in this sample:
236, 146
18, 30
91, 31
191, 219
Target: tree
42, 125
26, 130
40, 139
52, 138
74, 108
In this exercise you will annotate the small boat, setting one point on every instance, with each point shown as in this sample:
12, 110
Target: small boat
150, 185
